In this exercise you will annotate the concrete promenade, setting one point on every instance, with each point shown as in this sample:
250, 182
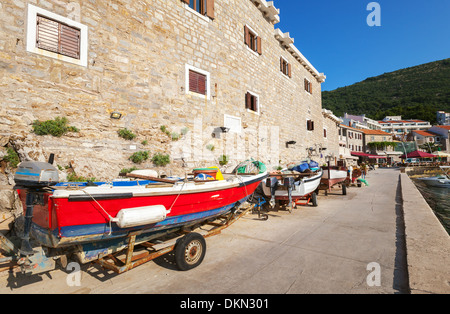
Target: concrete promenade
341, 246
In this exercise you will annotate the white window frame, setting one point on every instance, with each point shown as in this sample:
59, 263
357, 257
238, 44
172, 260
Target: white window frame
189, 67
203, 17
258, 103
33, 12
256, 34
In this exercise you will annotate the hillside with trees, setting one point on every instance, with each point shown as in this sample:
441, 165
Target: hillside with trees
414, 93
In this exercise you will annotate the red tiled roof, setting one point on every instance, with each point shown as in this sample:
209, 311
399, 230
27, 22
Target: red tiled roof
344, 125
424, 133
375, 132
447, 127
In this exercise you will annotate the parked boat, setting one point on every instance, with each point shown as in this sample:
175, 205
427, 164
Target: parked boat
95, 217
292, 187
441, 181
333, 175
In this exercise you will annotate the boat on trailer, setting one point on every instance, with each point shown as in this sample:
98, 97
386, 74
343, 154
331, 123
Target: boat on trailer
93, 220
334, 175
292, 187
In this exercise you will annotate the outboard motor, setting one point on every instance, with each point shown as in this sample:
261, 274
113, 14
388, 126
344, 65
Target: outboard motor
34, 177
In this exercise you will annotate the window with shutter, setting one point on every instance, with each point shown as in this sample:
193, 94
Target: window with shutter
310, 125
203, 7
57, 37
252, 102
252, 40
285, 67
197, 82
308, 86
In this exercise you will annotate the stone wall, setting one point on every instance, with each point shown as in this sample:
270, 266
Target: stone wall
138, 52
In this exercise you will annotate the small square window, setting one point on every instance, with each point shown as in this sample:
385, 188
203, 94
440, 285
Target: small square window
52, 35
197, 82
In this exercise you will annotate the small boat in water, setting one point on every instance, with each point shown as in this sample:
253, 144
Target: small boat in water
441, 181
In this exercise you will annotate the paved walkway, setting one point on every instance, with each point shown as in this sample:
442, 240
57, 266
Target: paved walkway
332, 248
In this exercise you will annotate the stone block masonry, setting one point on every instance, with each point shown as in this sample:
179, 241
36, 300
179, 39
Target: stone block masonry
137, 56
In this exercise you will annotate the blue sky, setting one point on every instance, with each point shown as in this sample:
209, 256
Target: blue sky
335, 38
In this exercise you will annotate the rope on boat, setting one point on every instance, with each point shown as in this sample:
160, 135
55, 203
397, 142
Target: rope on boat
111, 219
181, 190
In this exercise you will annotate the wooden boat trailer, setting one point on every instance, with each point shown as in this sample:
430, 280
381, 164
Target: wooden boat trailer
135, 255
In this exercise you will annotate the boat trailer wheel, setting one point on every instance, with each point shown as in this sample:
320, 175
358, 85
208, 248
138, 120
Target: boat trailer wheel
190, 251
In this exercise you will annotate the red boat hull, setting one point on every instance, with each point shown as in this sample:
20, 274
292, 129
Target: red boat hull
71, 220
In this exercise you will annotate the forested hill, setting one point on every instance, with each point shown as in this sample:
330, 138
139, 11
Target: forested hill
414, 93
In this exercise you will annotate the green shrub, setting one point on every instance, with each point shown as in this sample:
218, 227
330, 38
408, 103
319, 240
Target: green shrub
210, 147
126, 134
72, 177
175, 136
223, 160
184, 131
139, 157
128, 170
165, 130
161, 160
57, 127
12, 158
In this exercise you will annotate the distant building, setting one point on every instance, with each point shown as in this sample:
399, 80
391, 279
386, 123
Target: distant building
443, 132
424, 137
443, 118
360, 122
351, 138
400, 128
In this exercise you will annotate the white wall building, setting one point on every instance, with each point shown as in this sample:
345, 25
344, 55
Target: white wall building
443, 118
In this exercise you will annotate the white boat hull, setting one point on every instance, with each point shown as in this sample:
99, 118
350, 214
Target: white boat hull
301, 189
335, 174
440, 182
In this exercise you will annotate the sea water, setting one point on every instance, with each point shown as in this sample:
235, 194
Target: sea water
439, 201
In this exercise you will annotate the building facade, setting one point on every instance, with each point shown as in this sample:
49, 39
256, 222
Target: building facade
443, 118
442, 133
216, 74
351, 138
400, 128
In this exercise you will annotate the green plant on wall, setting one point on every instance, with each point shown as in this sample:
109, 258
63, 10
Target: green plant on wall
12, 157
126, 134
57, 127
161, 160
139, 157
223, 160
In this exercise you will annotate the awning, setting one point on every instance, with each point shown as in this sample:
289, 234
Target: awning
417, 154
359, 154
443, 154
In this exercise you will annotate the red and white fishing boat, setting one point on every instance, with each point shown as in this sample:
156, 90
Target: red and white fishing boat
98, 219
